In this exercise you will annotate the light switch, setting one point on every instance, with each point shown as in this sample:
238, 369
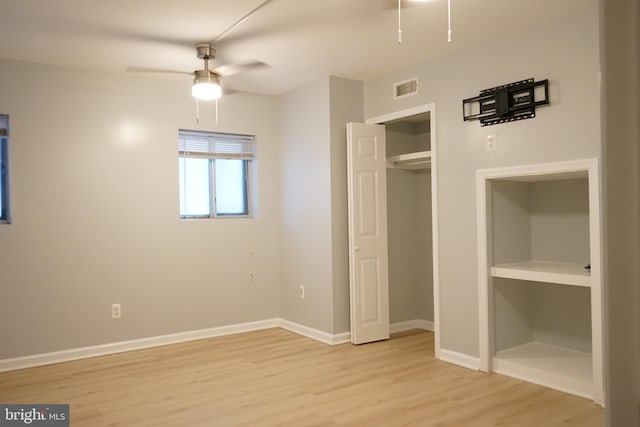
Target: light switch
492, 142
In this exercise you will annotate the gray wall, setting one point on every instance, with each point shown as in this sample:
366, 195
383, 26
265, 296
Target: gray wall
305, 154
544, 221
314, 201
347, 105
425, 248
94, 176
410, 253
566, 52
95, 211
560, 221
621, 153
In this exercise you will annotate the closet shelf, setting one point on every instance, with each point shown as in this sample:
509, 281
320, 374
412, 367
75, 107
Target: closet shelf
547, 365
544, 271
418, 160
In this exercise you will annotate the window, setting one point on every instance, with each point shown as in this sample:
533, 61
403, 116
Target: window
4, 169
214, 172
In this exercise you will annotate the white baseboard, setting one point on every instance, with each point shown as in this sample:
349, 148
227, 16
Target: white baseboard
315, 334
344, 337
137, 344
142, 343
460, 359
408, 325
426, 325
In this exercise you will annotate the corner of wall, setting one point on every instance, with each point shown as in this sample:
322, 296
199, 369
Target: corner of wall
346, 105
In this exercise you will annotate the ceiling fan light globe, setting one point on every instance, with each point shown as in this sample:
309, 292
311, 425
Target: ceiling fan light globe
206, 91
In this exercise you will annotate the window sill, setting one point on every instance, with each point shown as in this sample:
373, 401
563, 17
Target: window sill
204, 218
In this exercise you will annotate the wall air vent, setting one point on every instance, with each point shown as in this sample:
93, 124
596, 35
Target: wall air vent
405, 88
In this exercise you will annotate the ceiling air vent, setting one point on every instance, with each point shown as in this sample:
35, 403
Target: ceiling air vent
405, 88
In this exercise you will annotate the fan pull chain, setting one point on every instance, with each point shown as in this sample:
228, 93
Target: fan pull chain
216, 112
197, 111
449, 20
399, 21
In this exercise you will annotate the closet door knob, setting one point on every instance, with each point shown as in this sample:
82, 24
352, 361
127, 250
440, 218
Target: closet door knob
357, 248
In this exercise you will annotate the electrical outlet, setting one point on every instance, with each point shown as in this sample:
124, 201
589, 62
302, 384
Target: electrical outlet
492, 142
116, 311
302, 292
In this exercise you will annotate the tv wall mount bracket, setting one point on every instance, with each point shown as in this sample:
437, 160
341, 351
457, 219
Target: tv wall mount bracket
507, 103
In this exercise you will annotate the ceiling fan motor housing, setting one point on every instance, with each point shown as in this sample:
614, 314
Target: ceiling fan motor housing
205, 51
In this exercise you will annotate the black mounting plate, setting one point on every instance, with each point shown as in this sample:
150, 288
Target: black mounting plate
506, 103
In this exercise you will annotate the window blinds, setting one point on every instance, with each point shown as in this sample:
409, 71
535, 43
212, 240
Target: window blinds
215, 145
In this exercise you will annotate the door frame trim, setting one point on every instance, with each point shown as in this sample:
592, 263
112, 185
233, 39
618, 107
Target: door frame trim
426, 108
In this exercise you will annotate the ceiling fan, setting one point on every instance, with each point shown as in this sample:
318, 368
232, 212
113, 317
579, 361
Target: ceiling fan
206, 82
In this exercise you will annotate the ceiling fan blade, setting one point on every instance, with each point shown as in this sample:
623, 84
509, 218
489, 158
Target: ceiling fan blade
231, 69
393, 4
135, 69
229, 91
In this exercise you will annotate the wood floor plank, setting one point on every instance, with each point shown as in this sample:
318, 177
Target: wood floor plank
276, 378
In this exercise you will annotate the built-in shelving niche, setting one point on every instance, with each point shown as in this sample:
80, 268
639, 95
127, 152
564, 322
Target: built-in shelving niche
539, 275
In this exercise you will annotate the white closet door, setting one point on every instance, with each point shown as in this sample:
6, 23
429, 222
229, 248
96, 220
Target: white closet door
368, 263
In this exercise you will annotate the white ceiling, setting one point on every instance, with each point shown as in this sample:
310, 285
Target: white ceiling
301, 40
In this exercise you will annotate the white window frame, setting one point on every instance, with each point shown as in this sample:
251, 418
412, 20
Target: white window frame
219, 146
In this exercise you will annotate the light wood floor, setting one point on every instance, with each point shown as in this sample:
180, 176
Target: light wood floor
274, 377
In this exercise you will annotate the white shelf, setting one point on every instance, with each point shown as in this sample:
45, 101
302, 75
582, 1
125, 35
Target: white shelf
566, 370
544, 271
418, 160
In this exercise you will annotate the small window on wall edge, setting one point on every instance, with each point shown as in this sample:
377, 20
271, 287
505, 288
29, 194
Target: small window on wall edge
5, 211
215, 174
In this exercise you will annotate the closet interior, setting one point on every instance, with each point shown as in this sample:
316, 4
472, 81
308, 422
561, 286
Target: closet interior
409, 210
